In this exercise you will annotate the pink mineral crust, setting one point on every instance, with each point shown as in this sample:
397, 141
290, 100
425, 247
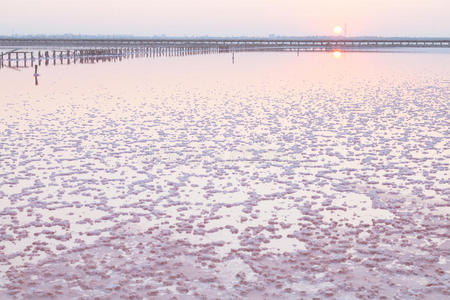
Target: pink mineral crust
271, 179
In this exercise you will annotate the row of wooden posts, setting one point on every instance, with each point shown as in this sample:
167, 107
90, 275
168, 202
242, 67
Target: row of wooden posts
18, 59
24, 59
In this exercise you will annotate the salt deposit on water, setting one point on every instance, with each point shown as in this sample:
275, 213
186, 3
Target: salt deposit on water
278, 177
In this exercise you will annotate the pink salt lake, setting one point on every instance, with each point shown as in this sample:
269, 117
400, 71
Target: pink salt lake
276, 177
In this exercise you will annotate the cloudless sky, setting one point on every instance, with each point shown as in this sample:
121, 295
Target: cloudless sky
226, 17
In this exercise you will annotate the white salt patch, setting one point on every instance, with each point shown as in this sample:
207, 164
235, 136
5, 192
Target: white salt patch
230, 268
358, 209
4, 203
283, 245
229, 198
442, 260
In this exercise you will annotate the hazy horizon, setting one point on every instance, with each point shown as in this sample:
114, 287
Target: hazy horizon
413, 18
164, 36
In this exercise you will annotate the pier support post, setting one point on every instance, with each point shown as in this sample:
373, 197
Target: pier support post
47, 57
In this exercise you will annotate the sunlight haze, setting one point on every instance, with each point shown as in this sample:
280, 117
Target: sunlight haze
227, 18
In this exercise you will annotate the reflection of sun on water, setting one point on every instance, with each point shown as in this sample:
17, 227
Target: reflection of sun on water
337, 53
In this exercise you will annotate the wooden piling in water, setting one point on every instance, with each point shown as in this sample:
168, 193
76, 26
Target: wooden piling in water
46, 57
108, 54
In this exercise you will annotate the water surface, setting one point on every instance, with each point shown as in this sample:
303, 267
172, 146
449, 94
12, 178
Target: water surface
277, 176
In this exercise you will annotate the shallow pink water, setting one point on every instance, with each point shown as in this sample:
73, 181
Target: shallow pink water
277, 177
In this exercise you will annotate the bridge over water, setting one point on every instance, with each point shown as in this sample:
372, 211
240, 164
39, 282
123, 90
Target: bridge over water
23, 53
233, 43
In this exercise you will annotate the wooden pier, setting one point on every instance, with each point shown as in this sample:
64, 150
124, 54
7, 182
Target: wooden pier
25, 59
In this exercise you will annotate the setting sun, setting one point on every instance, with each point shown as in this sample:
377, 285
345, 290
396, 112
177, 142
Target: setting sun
337, 29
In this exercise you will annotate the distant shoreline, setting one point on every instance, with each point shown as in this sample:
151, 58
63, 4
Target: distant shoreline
164, 37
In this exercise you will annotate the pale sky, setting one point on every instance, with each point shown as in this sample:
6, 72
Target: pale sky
226, 17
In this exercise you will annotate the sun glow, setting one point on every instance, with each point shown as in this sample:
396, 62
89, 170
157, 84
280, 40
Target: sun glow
337, 53
337, 29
